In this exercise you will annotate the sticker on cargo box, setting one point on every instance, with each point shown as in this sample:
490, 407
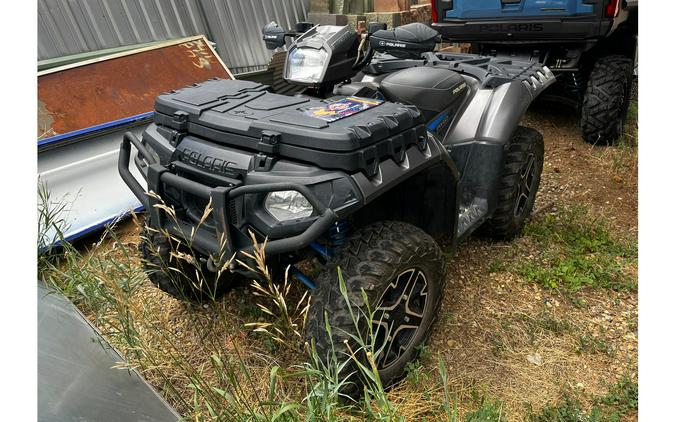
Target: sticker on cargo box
342, 108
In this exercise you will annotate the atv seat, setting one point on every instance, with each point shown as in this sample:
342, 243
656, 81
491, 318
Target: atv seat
431, 89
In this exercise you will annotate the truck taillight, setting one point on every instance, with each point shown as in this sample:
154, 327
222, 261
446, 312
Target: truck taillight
434, 10
610, 10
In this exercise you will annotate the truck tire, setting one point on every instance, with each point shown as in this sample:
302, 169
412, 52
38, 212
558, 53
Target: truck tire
402, 271
606, 100
175, 276
518, 185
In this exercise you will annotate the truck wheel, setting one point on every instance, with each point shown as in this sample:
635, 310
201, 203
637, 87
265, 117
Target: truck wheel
607, 99
175, 276
402, 270
523, 163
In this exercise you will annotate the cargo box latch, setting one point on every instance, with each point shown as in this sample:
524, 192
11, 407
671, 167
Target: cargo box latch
269, 142
180, 120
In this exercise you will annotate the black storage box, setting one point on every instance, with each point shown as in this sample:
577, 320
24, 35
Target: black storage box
347, 133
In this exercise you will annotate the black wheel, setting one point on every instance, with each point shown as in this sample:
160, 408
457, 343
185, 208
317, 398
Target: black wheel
402, 270
185, 278
607, 99
523, 163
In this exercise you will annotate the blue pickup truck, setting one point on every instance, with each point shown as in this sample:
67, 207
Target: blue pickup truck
589, 44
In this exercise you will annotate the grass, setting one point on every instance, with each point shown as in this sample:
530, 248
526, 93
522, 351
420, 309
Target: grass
629, 137
578, 251
589, 343
620, 400
488, 412
195, 355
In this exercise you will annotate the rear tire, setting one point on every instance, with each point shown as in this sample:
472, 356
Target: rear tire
402, 271
606, 100
189, 281
518, 186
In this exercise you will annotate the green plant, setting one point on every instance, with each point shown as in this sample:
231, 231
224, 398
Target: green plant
591, 344
489, 411
569, 410
496, 266
579, 252
451, 411
621, 399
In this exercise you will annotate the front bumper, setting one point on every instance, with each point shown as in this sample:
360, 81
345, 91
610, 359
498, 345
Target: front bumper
216, 243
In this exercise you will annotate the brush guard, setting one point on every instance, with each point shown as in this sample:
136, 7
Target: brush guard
219, 244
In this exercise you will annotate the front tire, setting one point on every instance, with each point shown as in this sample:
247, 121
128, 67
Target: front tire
518, 185
401, 270
606, 100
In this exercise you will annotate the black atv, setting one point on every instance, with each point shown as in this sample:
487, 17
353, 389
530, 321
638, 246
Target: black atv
389, 147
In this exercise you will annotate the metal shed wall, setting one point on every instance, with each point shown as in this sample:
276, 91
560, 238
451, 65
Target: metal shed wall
68, 27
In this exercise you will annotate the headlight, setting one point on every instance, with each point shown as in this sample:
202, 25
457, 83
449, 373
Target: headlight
306, 65
288, 205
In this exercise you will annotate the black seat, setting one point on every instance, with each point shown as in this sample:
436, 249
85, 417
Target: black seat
405, 41
431, 89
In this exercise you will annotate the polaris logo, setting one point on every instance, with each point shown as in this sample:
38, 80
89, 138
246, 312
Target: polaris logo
512, 27
459, 88
205, 162
392, 44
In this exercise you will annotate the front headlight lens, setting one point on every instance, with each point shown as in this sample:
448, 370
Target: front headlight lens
306, 65
288, 205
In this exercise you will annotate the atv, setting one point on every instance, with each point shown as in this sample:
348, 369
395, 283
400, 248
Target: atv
390, 148
590, 45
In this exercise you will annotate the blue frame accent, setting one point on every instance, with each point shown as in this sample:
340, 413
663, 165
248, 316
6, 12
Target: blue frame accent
322, 250
302, 277
434, 123
114, 123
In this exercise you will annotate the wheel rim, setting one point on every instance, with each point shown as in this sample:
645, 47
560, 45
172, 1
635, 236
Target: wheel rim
399, 315
525, 185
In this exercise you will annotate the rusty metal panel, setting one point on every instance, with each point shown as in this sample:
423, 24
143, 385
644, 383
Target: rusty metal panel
115, 87
68, 27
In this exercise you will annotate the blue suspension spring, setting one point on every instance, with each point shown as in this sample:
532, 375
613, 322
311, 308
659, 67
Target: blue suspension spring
337, 236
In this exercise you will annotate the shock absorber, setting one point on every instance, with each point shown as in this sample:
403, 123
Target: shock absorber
337, 236
338, 233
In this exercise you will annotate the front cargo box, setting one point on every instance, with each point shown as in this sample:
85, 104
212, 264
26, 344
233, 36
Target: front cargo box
347, 133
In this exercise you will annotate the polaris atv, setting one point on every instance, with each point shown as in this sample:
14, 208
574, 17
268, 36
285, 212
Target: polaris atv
590, 45
389, 147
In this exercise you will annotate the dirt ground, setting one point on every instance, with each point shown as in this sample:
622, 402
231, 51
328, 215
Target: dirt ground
494, 319
503, 338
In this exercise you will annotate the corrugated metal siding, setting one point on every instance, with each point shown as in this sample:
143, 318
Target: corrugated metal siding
76, 26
